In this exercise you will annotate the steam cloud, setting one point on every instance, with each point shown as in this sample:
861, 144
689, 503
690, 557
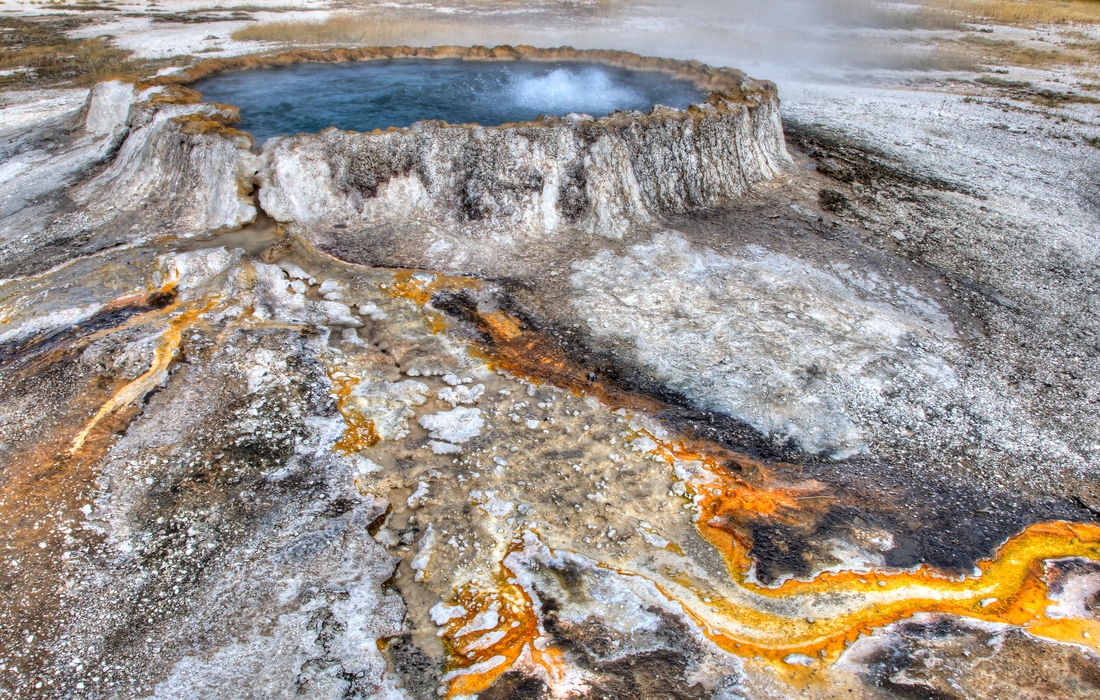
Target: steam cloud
561, 91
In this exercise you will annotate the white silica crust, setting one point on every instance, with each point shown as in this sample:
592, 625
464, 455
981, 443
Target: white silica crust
763, 336
457, 426
198, 179
109, 107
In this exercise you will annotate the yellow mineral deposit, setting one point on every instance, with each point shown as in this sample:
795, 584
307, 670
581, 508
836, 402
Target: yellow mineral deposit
1009, 588
360, 432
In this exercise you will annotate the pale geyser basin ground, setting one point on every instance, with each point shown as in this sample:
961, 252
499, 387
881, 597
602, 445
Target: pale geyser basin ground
308, 97
819, 306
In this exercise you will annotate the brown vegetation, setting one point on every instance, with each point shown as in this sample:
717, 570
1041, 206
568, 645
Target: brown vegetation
1010, 53
1015, 12
348, 29
972, 52
38, 53
961, 14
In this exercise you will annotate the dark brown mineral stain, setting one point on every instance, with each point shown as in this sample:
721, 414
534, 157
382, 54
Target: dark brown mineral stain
519, 343
944, 658
419, 672
658, 667
113, 315
515, 686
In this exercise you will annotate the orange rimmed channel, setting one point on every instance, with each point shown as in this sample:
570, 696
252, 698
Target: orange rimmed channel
815, 619
163, 355
512, 347
1010, 589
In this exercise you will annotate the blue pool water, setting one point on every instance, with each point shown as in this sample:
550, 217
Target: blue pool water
308, 97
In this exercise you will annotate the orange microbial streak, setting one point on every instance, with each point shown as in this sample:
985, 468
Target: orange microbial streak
154, 376
512, 347
491, 631
420, 286
727, 501
817, 618
360, 432
1010, 588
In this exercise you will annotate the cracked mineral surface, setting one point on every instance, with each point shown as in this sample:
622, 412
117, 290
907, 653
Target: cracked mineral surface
737, 401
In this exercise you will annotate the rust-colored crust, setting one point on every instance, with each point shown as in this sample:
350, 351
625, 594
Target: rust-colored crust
722, 85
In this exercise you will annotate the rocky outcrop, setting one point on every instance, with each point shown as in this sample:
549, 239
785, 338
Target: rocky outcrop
181, 168
600, 175
176, 165
59, 138
116, 164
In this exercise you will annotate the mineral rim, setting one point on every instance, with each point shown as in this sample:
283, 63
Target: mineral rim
353, 415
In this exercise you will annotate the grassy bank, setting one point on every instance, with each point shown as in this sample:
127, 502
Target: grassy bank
370, 30
1018, 12
37, 53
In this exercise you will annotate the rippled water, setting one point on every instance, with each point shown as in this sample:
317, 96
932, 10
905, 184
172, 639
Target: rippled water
308, 97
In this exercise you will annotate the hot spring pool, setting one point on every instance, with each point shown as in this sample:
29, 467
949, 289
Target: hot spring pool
367, 95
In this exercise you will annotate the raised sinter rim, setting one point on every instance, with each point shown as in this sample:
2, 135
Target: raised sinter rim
597, 175
720, 85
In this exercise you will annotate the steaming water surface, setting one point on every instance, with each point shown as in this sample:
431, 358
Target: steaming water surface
307, 97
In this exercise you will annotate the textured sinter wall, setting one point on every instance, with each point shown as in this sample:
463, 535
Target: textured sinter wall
596, 174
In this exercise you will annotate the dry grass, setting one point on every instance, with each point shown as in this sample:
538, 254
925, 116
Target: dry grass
972, 53
37, 53
1014, 12
948, 57
365, 30
1010, 53
976, 53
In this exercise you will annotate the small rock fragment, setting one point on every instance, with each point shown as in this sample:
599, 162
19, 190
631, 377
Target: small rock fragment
372, 310
457, 426
444, 448
423, 553
455, 395
420, 496
293, 271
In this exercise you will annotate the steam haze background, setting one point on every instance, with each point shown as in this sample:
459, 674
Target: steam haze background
803, 40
